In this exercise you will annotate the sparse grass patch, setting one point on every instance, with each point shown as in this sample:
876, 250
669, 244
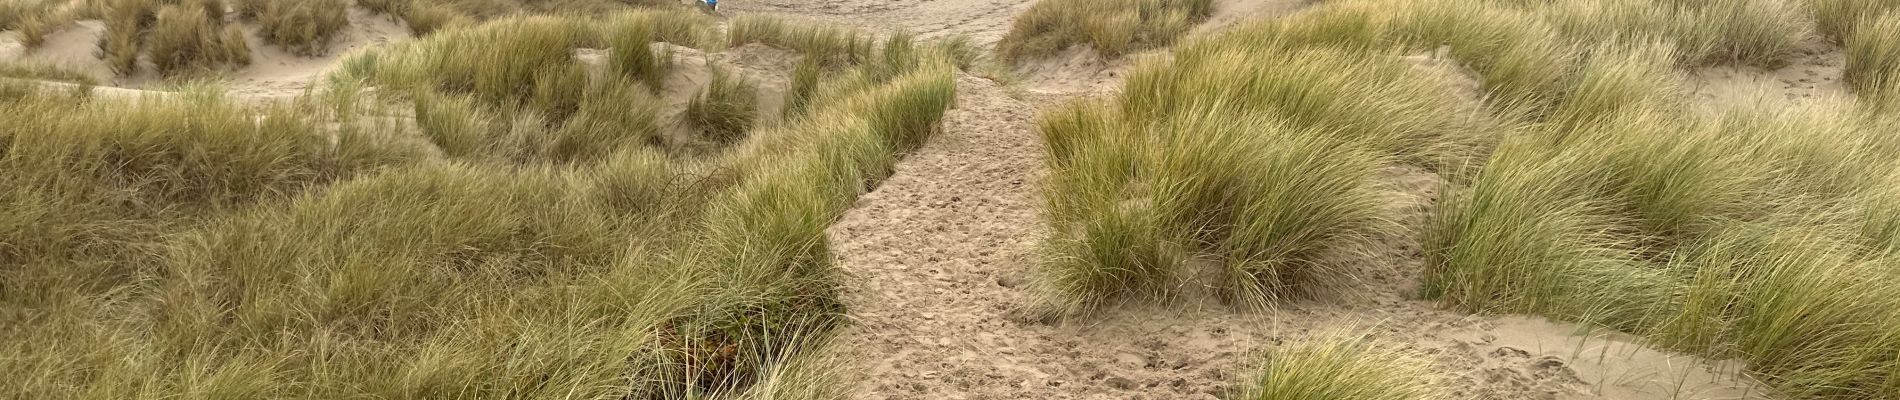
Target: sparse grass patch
1110, 27
44, 72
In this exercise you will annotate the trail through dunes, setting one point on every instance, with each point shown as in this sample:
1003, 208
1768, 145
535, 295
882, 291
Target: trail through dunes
940, 252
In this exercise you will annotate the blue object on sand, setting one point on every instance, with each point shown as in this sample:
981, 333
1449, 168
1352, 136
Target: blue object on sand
713, 4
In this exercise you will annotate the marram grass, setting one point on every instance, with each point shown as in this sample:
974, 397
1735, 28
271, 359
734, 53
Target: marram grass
204, 250
1341, 367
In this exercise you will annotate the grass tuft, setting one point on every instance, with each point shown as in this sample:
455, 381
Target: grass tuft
1838, 19
726, 109
186, 41
831, 46
1341, 367
630, 40
304, 27
1112, 28
1873, 57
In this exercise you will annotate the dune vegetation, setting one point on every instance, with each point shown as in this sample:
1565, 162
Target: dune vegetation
555, 199
523, 238
1340, 367
1581, 182
42, 71
193, 38
33, 19
1111, 28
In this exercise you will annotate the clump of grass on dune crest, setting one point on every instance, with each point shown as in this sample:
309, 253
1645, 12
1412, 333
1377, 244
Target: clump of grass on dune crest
512, 90
1750, 32
33, 19
1706, 233
726, 109
1838, 19
1523, 237
1128, 224
303, 27
184, 40
126, 21
1521, 59
180, 38
1620, 79
1254, 164
677, 26
1421, 119
630, 38
426, 18
1801, 307
1746, 32
1110, 27
826, 44
1341, 367
1873, 57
